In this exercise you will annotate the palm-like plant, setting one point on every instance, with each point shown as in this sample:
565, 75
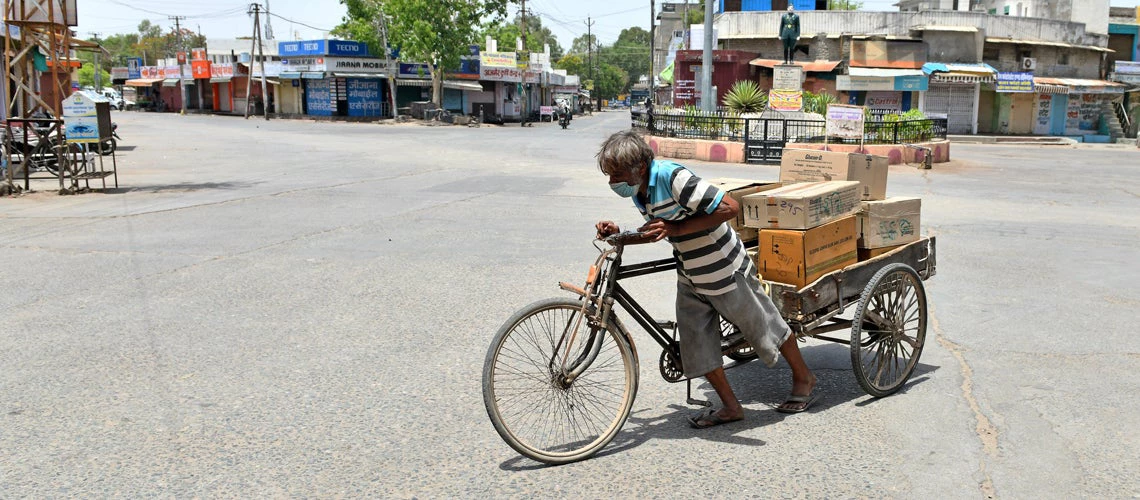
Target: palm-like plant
745, 96
817, 103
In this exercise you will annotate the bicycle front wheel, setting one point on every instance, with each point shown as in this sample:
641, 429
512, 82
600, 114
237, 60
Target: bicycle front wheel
529, 402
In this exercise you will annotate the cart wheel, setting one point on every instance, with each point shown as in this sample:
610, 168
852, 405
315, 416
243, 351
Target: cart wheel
670, 367
889, 330
743, 352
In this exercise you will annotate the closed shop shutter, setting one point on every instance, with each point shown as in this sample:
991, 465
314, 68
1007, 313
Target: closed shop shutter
957, 102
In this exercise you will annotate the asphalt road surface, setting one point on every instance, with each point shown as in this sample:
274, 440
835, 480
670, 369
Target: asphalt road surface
291, 308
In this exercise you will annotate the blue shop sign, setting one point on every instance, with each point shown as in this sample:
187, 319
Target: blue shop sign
347, 48
414, 70
301, 48
912, 83
134, 68
1014, 83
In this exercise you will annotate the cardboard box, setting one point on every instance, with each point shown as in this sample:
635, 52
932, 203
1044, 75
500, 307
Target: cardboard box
801, 257
870, 171
890, 222
801, 206
738, 189
870, 253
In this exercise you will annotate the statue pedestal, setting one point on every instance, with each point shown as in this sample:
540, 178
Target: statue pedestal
788, 77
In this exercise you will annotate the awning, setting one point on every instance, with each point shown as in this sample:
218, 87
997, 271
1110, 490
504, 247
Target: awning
884, 72
170, 82
291, 75
960, 72
1040, 87
461, 85
221, 79
1083, 86
407, 82
359, 75
810, 67
142, 82
1047, 44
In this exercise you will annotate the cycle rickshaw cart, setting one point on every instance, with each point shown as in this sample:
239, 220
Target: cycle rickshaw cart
560, 376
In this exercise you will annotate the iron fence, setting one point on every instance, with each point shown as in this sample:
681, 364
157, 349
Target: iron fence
730, 127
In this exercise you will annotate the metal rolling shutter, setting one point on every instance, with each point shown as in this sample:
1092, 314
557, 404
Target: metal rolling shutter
957, 102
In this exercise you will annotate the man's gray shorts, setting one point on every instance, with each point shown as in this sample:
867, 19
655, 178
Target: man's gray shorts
747, 307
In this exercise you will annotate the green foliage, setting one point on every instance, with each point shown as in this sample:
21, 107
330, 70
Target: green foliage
360, 24
745, 96
610, 81
844, 5
630, 53
537, 35
696, 13
818, 103
86, 76
583, 44
436, 32
914, 114
574, 64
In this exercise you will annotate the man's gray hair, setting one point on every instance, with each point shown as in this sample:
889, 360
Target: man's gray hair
624, 150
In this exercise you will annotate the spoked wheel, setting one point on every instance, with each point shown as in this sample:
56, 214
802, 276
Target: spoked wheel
889, 330
532, 405
743, 351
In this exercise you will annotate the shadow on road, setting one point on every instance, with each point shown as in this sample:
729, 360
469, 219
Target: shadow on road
182, 188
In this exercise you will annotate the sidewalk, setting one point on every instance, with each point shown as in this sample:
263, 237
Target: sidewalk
1035, 140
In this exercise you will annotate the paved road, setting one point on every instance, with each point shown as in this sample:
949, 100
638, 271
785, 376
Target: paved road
302, 309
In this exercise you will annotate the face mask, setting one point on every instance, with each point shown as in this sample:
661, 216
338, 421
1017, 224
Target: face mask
624, 190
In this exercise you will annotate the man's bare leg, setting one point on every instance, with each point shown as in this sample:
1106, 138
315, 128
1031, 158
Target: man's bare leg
732, 409
803, 380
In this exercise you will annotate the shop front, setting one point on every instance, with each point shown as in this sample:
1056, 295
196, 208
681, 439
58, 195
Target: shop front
1080, 108
333, 78
955, 92
883, 90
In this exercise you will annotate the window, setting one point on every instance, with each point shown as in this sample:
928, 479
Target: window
1063, 59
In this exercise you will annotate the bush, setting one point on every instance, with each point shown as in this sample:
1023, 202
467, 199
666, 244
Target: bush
746, 97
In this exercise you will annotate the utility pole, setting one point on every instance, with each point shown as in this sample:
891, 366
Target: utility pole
708, 100
268, 22
590, 51
98, 67
526, 63
382, 26
256, 50
181, 69
652, 45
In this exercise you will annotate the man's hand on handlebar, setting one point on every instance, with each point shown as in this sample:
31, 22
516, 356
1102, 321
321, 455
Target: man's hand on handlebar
658, 229
606, 228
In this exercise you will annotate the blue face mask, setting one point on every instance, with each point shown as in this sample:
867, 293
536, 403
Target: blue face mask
624, 190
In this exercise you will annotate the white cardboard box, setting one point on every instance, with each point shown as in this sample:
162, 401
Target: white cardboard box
801, 206
807, 165
890, 222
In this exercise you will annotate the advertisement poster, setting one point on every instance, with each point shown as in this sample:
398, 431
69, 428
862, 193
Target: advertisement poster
1043, 118
845, 121
497, 59
318, 97
363, 97
1088, 112
1014, 82
785, 100
884, 100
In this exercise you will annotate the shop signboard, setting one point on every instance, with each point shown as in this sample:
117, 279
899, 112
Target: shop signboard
150, 72
200, 69
912, 83
1014, 83
413, 70
845, 121
884, 100
353, 65
785, 100
1044, 117
222, 70
1127, 67
848, 82
498, 60
363, 97
134, 68
347, 48
301, 48
499, 74
318, 97
174, 71
304, 64
120, 73
198, 54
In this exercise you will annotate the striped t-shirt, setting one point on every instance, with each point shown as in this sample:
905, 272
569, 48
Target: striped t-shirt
707, 258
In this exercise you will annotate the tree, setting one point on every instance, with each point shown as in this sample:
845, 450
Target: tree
630, 53
436, 32
360, 24
87, 76
537, 36
696, 14
582, 44
610, 81
844, 5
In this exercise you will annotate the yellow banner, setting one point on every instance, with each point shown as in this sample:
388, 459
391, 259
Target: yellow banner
498, 59
785, 100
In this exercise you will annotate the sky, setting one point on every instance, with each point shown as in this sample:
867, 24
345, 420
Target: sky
311, 19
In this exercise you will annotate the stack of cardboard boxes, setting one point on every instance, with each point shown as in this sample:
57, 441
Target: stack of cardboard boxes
829, 210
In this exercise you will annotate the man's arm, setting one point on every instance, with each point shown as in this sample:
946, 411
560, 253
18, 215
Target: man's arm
658, 229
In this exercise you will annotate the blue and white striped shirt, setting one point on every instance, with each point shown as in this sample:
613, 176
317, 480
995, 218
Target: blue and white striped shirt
706, 258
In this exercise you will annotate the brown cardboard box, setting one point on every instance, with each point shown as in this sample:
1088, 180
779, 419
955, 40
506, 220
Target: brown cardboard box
738, 189
890, 222
801, 257
801, 206
805, 165
870, 253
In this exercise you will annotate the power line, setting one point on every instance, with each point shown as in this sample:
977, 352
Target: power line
283, 18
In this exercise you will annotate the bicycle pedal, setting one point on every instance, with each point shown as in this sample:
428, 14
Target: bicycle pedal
667, 325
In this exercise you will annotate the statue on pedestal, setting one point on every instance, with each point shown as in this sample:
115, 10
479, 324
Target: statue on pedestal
789, 33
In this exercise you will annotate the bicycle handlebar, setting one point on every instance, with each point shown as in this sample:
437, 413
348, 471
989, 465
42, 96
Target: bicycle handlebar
623, 237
